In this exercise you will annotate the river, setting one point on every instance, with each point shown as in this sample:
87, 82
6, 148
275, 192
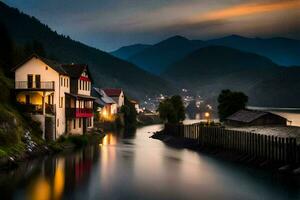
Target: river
130, 165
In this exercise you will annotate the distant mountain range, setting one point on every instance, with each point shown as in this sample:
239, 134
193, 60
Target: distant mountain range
156, 58
107, 70
252, 65
208, 70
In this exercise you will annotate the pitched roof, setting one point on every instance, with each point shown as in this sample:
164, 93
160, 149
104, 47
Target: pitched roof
103, 98
72, 70
247, 115
112, 92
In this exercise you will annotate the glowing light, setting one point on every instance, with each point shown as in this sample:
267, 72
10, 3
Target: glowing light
207, 114
59, 180
248, 9
41, 190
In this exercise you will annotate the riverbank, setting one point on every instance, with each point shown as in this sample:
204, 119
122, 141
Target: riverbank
17, 154
244, 159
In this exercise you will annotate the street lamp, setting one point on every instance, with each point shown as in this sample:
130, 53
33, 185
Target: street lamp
207, 117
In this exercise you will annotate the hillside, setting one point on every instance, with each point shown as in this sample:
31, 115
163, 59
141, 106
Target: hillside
128, 51
158, 57
209, 70
107, 70
282, 51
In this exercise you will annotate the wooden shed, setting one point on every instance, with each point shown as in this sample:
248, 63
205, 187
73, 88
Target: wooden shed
247, 117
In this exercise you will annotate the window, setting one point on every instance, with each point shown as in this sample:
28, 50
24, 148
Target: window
61, 102
67, 82
30, 80
27, 100
46, 67
61, 81
64, 82
80, 84
79, 123
74, 123
57, 122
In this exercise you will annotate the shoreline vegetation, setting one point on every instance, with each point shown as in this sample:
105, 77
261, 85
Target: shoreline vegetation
12, 157
227, 155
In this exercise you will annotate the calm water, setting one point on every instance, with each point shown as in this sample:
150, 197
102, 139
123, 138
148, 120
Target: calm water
130, 165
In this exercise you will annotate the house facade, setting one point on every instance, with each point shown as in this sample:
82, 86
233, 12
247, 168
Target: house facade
106, 107
117, 95
56, 95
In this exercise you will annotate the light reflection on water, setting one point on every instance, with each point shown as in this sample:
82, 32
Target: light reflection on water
130, 165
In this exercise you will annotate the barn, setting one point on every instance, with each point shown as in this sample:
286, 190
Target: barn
247, 117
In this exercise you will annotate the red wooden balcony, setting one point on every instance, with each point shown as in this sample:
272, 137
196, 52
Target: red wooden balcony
79, 112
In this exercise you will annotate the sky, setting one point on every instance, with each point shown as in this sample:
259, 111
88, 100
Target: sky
110, 24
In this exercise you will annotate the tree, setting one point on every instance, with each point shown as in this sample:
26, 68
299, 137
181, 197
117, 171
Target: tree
129, 112
172, 110
230, 102
34, 47
6, 50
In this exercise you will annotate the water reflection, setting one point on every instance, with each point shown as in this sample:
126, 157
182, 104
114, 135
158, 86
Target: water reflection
129, 165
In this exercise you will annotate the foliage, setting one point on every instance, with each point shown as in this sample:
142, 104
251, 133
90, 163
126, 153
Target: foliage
78, 141
172, 110
230, 102
130, 113
6, 49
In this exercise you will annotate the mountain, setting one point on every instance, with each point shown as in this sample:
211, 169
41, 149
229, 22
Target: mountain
158, 57
107, 70
211, 69
282, 51
128, 51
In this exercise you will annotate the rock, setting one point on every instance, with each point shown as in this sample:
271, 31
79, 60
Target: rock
284, 168
296, 171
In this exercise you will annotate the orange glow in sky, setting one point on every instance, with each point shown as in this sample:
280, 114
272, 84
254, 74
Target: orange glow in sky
249, 9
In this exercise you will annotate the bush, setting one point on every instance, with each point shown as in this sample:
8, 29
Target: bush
172, 110
230, 102
79, 141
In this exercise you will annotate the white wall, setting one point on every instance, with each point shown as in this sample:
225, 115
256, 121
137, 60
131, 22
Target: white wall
36, 66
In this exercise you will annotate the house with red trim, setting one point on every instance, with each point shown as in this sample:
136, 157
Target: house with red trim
56, 95
116, 94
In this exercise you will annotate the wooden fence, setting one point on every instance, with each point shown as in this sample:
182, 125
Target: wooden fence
259, 146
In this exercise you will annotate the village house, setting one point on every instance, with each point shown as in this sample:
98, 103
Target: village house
56, 95
136, 106
247, 117
106, 107
117, 95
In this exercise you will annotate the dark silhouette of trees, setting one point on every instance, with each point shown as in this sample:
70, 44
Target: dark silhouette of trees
171, 110
6, 50
230, 102
130, 114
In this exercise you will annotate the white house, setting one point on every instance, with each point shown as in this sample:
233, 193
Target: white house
56, 95
116, 94
107, 108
